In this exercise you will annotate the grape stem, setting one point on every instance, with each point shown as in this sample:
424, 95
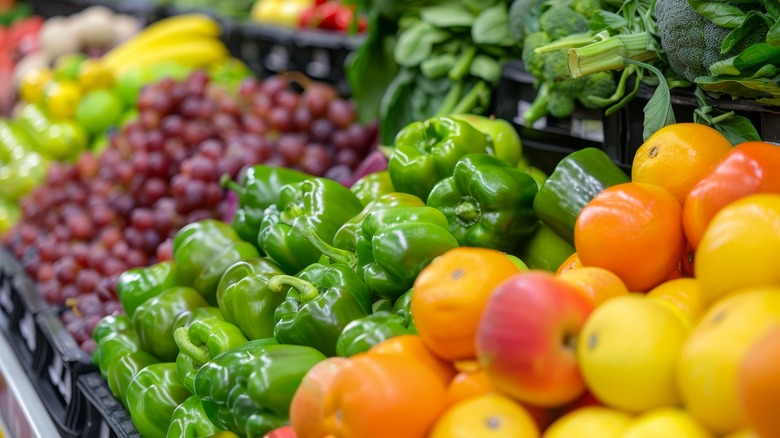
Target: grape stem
299, 78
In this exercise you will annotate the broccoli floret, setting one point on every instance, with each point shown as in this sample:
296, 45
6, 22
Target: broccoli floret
560, 21
534, 62
586, 8
692, 42
597, 85
556, 66
560, 103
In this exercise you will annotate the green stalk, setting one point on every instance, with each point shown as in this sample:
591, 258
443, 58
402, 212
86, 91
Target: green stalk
334, 254
538, 108
609, 54
301, 290
470, 100
571, 41
198, 354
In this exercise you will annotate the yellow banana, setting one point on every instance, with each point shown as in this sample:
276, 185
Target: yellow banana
194, 52
179, 28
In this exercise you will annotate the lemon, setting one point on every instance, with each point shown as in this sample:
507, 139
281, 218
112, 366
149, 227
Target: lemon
684, 293
93, 75
62, 98
666, 422
590, 422
628, 351
34, 83
485, 416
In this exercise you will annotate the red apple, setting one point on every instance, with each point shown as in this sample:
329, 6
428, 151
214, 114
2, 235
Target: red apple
526, 338
282, 432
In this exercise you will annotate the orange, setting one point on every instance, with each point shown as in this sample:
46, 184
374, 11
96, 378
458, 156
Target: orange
597, 284
573, 262
467, 384
486, 416
412, 346
306, 407
759, 384
677, 156
383, 396
685, 293
450, 295
633, 230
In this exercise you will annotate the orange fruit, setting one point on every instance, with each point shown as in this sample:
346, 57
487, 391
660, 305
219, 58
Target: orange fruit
597, 284
759, 384
412, 346
573, 262
450, 295
469, 384
633, 230
677, 156
489, 415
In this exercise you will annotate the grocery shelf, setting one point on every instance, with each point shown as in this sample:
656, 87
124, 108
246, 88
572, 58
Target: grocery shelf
22, 411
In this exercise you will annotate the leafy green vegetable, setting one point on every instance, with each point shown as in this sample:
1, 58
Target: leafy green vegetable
447, 15
492, 27
658, 110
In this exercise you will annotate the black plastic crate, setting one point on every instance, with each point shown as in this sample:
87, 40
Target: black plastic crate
144, 10
270, 50
106, 417
62, 363
23, 332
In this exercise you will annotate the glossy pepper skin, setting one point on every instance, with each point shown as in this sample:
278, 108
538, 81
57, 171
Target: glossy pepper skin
137, 285
155, 320
394, 245
577, 178
152, 396
189, 420
372, 186
319, 203
426, 152
252, 385
347, 236
244, 297
320, 302
202, 340
403, 308
487, 202
203, 251
110, 324
748, 168
362, 334
259, 189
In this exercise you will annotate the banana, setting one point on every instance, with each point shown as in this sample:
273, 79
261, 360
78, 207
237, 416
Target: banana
180, 28
194, 52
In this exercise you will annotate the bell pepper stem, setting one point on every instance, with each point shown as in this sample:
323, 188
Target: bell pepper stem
304, 290
228, 183
335, 255
467, 212
199, 354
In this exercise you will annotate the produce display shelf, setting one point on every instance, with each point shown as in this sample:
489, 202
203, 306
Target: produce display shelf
22, 411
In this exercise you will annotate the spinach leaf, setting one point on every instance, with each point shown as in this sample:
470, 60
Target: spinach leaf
658, 110
396, 107
722, 14
754, 20
755, 56
607, 20
486, 68
447, 15
773, 36
492, 27
737, 129
414, 45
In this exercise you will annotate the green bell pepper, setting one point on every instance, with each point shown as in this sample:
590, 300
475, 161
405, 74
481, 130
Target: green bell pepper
137, 285
155, 320
426, 152
245, 299
577, 179
545, 250
394, 245
403, 308
362, 334
320, 302
189, 420
124, 370
202, 340
152, 396
252, 385
372, 186
381, 304
347, 236
110, 324
259, 189
113, 346
320, 203
203, 251
487, 202
506, 141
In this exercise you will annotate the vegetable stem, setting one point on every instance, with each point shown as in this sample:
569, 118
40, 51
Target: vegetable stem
470, 100
463, 65
198, 354
609, 54
334, 254
301, 290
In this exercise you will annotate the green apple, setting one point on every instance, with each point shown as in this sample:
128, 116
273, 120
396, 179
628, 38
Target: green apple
129, 84
67, 66
98, 110
506, 140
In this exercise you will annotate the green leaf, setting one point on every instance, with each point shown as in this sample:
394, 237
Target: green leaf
737, 129
438, 66
373, 59
413, 45
486, 68
773, 36
755, 56
396, 107
447, 15
760, 89
722, 14
754, 20
658, 110
491, 27
773, 8
607, 20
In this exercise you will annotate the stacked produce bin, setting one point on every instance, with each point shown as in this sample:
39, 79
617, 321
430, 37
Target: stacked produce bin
310, 219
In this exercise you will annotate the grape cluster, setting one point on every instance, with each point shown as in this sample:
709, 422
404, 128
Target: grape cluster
102, 215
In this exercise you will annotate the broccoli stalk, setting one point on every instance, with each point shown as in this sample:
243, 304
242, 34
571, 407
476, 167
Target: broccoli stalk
538, 108
609, 53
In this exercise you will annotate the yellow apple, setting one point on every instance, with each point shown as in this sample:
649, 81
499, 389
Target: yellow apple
628, 352
589, 422
666, 422
708, 367
684, 293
